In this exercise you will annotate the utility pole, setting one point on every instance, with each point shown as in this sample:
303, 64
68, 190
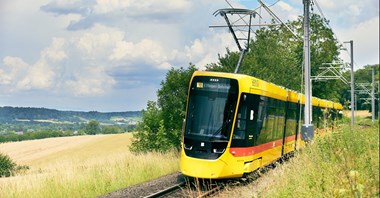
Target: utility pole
307, 129
373, 95
352, 84
356, 102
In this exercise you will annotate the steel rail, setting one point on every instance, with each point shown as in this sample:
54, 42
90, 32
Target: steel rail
166, 191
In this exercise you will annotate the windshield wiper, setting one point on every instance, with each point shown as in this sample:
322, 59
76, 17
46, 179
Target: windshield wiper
225, 124
219, 130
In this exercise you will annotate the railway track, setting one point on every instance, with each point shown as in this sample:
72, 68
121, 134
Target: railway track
188, 189
176, 185
167, 191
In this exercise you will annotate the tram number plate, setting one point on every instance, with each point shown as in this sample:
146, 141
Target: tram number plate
255, 83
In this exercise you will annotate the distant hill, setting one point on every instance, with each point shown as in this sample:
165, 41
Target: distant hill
30, 114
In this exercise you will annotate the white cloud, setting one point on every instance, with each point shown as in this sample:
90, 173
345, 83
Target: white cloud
39, 76
136, 7
19, 75
146, 50
328, 4
284, 6
93, 81
12, 68
355, 10
196, 50
205, 51
106, 6
55, 51
346, 13
286, 12
94, 44
366, 42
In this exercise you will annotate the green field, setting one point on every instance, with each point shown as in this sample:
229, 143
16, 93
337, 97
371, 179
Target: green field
81, 166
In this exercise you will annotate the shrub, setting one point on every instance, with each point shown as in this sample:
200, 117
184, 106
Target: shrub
7, 166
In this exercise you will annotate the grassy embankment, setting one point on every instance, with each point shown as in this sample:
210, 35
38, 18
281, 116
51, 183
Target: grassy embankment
83, 166
342, 164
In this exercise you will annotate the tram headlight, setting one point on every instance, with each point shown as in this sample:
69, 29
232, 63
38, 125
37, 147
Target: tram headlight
215, 150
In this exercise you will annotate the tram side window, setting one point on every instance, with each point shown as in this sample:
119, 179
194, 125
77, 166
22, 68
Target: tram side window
272, 119
261, 113
262, 121
280, 119
291, 119
241, 122
240, 130
273, 113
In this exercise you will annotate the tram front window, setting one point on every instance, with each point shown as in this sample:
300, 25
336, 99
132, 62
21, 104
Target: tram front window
212, 103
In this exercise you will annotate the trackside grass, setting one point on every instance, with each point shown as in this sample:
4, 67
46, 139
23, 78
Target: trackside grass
344, 163
88, 168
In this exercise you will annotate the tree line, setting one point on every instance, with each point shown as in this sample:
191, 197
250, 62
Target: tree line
93, 127
275, 56
12, 114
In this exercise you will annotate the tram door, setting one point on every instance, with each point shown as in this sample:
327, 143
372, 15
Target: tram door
246, 121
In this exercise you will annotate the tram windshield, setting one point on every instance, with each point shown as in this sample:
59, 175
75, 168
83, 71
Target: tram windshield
211, 107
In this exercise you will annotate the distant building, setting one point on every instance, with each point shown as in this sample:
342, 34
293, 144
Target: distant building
20, 132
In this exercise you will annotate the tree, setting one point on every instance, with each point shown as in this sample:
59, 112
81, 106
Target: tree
160, 129
93, 128
145, 139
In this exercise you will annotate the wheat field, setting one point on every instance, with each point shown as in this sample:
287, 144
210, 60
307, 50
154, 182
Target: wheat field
80, 166
359, 113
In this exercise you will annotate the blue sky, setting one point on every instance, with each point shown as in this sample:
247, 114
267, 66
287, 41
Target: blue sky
111, 55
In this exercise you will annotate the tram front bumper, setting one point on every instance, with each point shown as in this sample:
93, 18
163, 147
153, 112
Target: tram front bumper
208, 169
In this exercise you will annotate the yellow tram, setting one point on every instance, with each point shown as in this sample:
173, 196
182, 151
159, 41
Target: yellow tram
236, 124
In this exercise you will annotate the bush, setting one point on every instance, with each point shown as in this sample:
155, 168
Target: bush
7, 166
